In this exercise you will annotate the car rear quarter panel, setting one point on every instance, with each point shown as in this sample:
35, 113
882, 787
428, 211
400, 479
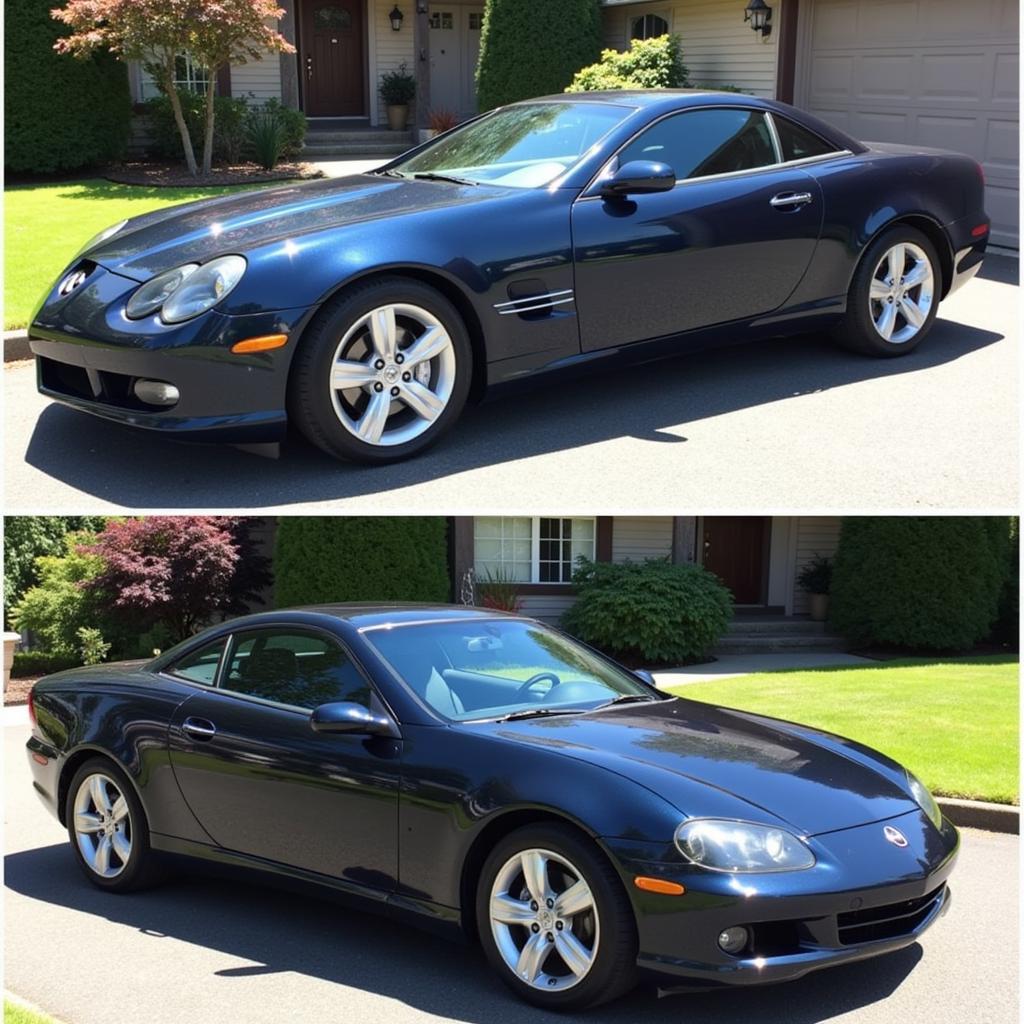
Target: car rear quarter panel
866, 192
126, 720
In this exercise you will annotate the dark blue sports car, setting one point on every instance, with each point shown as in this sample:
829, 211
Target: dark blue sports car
484, 774
369, 309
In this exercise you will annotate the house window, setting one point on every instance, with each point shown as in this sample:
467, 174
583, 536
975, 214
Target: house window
648, 26
476, 21
332, 17
541, 549
187, 75
442, 19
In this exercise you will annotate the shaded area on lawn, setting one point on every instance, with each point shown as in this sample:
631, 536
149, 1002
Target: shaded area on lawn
952, 721
45, 225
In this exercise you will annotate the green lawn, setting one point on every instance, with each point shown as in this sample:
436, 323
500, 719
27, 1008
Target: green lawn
14, 1014
45, 225
953, 722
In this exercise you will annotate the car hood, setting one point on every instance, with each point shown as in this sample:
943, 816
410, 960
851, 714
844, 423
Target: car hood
711, 761
195, 232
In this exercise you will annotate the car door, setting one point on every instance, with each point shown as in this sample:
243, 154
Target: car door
261, 782
731, 241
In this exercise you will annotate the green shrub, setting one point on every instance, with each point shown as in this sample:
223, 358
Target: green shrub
398, 87
1007, 629
919, 582
229, 113
58, 606
534, 47
60, 112
360, 558
28, 664
265, 136
816, 576
91, 645
293, 125
647, 64
653, 611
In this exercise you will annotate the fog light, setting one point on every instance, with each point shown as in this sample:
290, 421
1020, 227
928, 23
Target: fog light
733, 940
156, 392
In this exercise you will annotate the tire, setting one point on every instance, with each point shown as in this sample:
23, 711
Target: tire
858, 331
605, 928
126, 871
393, 408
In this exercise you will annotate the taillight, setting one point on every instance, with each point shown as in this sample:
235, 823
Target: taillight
32, 706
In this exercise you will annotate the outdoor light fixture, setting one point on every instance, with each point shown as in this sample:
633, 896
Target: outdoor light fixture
396, 17
759, 14
421, 6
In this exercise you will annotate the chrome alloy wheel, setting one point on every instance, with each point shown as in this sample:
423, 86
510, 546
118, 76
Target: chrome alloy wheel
103, 825
902, 292
392, 374
544, 920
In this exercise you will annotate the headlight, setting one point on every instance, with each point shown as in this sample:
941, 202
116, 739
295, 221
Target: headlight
924, 799
741, 846
155, 292
203, 289
101, 237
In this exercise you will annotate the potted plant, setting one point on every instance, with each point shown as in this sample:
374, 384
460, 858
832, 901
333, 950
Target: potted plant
397, 88
439, 122
816, 578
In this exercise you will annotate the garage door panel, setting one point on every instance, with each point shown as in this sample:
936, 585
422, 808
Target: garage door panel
887, 76
938, 73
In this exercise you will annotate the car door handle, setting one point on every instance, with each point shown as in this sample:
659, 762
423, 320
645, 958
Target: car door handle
199, 728
786, 200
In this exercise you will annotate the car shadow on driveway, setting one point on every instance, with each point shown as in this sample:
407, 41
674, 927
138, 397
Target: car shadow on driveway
649, 402
287, 932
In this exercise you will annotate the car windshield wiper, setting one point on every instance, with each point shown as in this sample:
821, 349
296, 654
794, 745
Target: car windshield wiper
435, 176
388, 174
626, 698
540, 713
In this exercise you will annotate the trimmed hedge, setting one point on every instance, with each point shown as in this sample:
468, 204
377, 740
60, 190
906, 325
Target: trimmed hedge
651, 611
647, 64
920, 582
360, 558
534, 47
35, 663
60, 112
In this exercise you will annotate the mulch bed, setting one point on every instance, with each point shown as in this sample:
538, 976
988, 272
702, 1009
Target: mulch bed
173, 175
17, 690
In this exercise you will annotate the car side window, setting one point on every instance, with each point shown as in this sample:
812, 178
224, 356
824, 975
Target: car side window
293, 667
200, 666
698, 143
799, 143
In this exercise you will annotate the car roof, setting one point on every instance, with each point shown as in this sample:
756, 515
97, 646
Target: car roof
363, 615
674, 98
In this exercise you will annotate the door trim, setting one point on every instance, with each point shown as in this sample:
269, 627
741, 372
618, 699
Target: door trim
367, 70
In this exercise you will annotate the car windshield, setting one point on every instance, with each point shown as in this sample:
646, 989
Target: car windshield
523, 146
491, 668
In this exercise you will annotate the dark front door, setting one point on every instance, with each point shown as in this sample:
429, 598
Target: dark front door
736, 551
730, 242
261, 782
331, 60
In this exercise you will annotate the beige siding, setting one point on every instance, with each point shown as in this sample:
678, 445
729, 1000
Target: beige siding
547, 609
718, 47
640, 537
815, 535
258, 80
387, 50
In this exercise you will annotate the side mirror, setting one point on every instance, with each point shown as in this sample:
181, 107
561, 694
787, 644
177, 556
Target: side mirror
638, 177
347, 717
647, 677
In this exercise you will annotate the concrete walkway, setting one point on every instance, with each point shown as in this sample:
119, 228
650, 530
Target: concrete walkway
731, 665
339, 168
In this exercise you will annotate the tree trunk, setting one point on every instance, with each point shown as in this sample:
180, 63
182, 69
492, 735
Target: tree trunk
208, 138
179, 120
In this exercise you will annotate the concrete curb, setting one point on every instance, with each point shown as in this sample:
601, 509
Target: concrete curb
978, 814
16, 346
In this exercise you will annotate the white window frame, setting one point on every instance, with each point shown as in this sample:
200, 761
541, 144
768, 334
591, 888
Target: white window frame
666, 16
148, 89
535, 579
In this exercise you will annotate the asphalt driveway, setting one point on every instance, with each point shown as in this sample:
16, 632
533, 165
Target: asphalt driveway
788, 423
226, 952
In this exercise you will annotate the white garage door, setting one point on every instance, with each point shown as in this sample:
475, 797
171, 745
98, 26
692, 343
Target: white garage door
928, 72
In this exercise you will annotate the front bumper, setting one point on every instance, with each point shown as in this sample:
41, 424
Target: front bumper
863, 898
89, 356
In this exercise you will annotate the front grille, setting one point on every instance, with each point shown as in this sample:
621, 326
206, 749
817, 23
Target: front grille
888, 922
93, 385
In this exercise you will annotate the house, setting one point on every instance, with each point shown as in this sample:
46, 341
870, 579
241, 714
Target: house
929, 72
757, 557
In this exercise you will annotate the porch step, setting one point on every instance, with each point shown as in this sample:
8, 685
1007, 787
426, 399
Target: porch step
315, 153
334, 144
741, 626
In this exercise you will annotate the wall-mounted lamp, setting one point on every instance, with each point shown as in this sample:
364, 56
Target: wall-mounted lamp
396, 17
422, 6
759, 14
